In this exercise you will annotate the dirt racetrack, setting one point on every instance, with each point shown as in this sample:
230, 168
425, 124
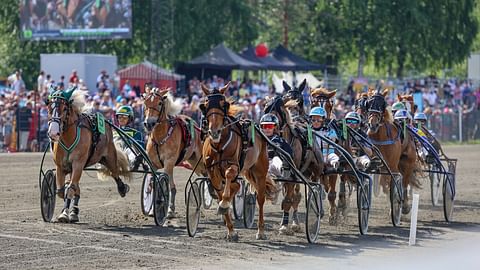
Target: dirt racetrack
113, 234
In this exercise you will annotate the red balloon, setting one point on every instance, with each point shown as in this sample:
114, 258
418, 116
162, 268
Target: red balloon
261, 50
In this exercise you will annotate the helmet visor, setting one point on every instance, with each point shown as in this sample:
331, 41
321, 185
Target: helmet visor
267, 126
352, 121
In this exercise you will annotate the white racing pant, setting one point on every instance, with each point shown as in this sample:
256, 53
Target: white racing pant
275, 166
363, 161
331, 159
130, 155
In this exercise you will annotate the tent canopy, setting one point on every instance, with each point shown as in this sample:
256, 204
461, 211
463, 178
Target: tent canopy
296, 62
221, 57
268, 61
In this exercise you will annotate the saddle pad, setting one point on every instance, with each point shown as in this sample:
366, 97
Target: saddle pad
100, 123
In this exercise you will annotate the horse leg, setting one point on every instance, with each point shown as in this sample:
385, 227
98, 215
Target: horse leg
261, 189
224, 205
332, 195
73, 216
60, 179
173, 190
342, 200
72, 193
297, 197
286, 205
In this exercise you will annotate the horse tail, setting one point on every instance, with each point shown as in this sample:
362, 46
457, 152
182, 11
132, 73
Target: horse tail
122, 165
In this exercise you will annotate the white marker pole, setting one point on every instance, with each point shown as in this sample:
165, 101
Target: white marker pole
413, 220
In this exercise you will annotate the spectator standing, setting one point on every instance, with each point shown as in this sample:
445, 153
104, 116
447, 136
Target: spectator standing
41, 81
24, 119
73, 77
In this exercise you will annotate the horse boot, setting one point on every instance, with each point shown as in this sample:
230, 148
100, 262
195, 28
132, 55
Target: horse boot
332, 220
284, 227
63, 217
122, 188
171, 204
73, 216
295, 222
406, 207
342, 201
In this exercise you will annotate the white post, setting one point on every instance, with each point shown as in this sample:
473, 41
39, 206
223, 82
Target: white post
413, 220
460, 124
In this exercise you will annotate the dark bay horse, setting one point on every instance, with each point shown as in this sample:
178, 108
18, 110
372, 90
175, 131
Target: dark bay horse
399, 155
226, 156
172, 139
77, 143
308, 159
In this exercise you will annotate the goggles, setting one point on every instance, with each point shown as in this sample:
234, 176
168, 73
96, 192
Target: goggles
352, 121
317, 120
267, 126
121, 116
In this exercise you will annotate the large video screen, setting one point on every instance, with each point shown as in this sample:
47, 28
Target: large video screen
75, 19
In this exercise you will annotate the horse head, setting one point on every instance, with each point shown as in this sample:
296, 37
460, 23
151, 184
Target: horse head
276, 106
295, 94
322, 97
376, 109
215, 110
407, 100
155, 101
59, 109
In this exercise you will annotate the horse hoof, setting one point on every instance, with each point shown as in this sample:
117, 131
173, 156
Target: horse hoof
284, 230
63, 217
296, 227
123, 190
233, 237
73, 217
261, 236
332, 220
171, 213
222, 211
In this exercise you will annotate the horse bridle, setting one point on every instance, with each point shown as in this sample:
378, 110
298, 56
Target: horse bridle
54, 104
322, 100
374, 108
160, 105
275, 106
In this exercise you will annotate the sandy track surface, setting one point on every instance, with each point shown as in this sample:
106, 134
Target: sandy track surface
113, 233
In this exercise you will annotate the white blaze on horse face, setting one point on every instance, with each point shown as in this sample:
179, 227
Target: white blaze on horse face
54, 126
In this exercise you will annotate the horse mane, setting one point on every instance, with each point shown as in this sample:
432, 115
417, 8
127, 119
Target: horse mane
406, 97
234, 109
78, 99
322, 91
387, 116
173, 107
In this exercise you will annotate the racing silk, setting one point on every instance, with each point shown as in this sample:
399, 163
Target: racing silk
135, 134
280, 142
329, 133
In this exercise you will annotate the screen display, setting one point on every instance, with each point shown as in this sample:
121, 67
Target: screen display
75, 19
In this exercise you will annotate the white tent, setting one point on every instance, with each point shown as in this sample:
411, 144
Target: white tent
312, 81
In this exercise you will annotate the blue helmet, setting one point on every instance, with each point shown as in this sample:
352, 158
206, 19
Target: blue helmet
318, 111
420, 116
401, 114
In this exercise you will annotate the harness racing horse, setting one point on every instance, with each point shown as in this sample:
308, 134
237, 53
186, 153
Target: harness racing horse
172, 138
226, 156
78, 143
308, 159
295, 94
400, 156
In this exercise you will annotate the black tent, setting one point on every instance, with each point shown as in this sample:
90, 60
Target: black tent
221, 57
268, 61
296, 62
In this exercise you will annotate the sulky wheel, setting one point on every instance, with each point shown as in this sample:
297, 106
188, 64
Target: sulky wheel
249, 205
47, 196
205, 195
147, 194
435, 182
238, 201
396, 199
313, 214
448, 195
161, 196
364, 198
193, 209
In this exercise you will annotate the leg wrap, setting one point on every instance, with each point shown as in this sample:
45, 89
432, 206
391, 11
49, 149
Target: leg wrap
173, 193
286, 204
295, 216
285, 218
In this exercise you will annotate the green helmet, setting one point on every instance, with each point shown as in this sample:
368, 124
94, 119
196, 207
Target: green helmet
398, 106
124, 110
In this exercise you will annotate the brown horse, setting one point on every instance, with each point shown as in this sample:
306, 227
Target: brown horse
77, 144
400, 156
226, 156
307, 159
173, 138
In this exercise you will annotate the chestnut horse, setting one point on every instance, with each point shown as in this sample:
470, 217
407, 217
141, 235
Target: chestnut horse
307, 159
399, 156
77, 143
226, 157
172, 138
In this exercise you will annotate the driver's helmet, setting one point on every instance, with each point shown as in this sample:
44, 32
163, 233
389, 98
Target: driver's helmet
420, 117
125, 110
398, 106
353, 118
269, 118
401, 115
318, 111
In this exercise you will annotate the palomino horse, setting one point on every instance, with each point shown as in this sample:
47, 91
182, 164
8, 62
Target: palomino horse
226, 156
307, 159
78, 143
173, 138
399, 156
